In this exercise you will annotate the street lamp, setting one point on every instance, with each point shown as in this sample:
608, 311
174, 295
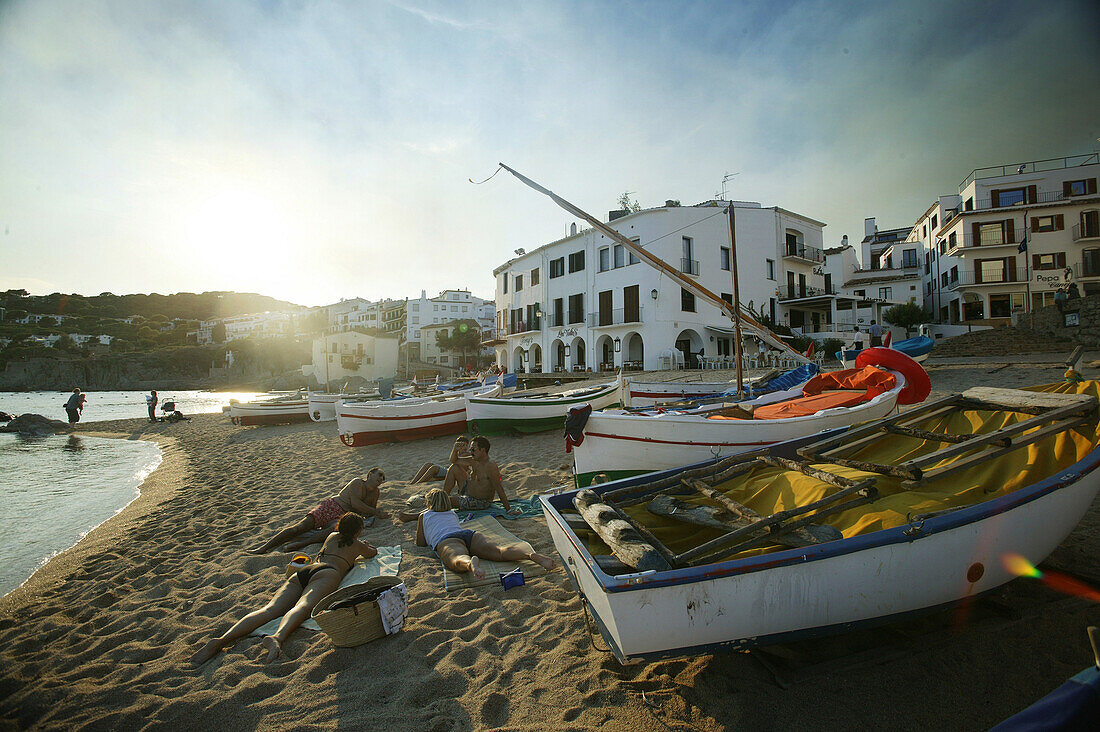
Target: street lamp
567, 351
653, 293
618, 345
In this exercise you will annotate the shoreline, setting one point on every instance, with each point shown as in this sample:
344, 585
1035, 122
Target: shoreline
99, 636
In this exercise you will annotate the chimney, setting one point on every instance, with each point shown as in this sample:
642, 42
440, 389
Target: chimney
612, 215
423, 294
844, 240
573, 229
869, 227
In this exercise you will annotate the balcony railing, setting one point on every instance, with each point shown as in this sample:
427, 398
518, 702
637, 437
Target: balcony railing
993, 239
1085, 231
1004, 277
614, 317
812, 254
1035, 166
555, 321
793, 292
689, 266
1087, 268
522, 326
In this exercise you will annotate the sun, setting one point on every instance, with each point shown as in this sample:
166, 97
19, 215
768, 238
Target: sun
240, 228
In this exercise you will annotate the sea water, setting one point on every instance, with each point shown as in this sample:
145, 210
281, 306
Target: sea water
54, 490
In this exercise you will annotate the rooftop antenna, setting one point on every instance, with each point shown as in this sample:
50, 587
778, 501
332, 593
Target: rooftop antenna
725, 179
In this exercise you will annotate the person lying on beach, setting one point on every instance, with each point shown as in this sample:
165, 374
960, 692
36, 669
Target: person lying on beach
461, 550
300, 593
478, 489
431, 472
359, 495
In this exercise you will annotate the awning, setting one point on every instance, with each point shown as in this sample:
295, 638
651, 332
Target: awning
731, 332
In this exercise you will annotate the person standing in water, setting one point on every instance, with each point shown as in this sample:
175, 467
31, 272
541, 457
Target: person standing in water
75, 406
151, 402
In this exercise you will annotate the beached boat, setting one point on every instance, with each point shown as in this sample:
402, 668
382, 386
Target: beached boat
537, 412
369, 423
620, 443
915, 348
280, 410
926, 503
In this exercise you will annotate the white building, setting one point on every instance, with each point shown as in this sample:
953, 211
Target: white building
979, 269
340, 356
447, 306
583, 302
254, 325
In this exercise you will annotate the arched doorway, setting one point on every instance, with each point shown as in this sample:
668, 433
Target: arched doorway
634, 350
605, 353
578, 354
557, 356
690, 344
534, 357
517, 361
502, 358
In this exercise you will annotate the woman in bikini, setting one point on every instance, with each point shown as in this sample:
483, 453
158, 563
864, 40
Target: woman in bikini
297, 597
462, 549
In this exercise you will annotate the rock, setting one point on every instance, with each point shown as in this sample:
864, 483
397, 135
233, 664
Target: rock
5, 417
36, 425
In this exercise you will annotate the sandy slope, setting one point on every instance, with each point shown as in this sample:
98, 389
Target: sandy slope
99, 638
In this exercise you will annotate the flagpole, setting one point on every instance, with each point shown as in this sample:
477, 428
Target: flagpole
1027, 269
736, 297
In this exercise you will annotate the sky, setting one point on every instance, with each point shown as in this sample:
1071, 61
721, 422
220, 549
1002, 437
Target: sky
314, 151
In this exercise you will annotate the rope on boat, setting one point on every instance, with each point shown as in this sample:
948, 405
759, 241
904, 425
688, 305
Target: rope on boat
588, 625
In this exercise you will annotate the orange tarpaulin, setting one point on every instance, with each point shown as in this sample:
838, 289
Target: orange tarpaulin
874, 380
810, 404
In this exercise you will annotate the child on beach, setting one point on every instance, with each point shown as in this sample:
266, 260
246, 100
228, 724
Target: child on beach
462, 550
476, 477
360, 495
299, 594
431, 472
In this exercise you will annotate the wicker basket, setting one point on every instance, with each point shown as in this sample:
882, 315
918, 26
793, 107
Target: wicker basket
357, 624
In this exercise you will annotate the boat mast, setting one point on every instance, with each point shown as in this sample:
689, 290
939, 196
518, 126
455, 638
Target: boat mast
732, 311
736, 295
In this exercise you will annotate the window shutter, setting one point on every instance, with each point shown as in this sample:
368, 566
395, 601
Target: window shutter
1034, 223
1067, 189
995, 198
1059, 222
1010, 234
975, 231
1035, 261
1090, 185
1061, 260
977, 272
1012, 269
1032, 194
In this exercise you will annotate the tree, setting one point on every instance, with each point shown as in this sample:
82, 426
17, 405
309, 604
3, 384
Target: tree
465, 336
907, 316
217, 332
626, 203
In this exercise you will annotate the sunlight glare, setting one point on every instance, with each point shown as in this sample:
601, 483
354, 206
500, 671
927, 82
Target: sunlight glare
238, 229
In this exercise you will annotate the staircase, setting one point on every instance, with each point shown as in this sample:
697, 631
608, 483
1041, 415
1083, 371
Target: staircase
999, 342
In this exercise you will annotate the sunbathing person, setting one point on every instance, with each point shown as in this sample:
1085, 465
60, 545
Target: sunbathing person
359, 495
300, 593
462, 549
431, 472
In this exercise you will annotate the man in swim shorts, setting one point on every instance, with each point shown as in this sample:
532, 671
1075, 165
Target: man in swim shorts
359, 495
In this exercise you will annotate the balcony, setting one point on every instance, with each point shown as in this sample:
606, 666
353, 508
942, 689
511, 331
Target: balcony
1087, 268
809, 254
794, 292
621, 316
1004, 277
689, 266
522, 326
1037, 166
990, 239
1088, 231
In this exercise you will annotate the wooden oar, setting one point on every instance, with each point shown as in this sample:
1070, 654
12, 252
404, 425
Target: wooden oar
717, 518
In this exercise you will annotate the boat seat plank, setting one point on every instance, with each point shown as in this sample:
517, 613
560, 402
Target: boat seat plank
1016, 399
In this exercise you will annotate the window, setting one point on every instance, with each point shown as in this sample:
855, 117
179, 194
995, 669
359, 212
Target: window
954, 274
557, 267
576, 308
943, 246
1012, 196
687, 301
1079, 187
415, 306
415, 319
1000, 306
689, 247
724, 258
1056, 260
968, 205
534, 281
443, 359
923, 231
1048, 223
990, 234
416, 334
885, 293
559, 313
436, 307
519, 282
576, 261
728, 297
943, 279
620, 256
605, 259
935, 221
769, 268
633, 258
951, 239
859, 293
909, 258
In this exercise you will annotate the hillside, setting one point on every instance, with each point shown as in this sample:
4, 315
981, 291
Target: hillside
181, 305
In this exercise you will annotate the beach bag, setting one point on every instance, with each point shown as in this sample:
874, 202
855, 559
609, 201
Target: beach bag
350, 616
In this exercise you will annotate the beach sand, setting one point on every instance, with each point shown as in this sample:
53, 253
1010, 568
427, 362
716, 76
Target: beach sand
100, 637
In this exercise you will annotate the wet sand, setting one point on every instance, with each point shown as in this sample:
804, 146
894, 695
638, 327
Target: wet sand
100, 637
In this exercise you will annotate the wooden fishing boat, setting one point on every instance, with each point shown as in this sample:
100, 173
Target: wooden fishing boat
537, 412
369, 423
915, 348
619, 443
927, 503
281, 410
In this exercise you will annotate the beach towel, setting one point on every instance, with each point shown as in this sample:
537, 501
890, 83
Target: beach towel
490, 527
528, 508
385, 564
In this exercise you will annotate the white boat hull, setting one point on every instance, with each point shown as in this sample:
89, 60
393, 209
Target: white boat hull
369, 423
798, 593
620, 444
276, 412
490, 415
650, 393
